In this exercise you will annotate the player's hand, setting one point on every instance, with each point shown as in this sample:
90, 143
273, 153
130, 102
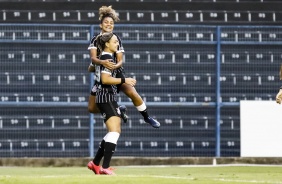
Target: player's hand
91, 68
108, 64
130, 81
279, 97
116, 66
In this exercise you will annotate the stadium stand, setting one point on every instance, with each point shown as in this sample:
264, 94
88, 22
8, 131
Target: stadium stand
170, 12
171, 50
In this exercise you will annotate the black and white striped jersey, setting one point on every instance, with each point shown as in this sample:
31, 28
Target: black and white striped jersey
105, 93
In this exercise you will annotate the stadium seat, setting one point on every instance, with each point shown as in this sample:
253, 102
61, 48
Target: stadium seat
152, 36
140, 16
24, 145
16, 16
230, 122
66, 122
51, 35
214, 16
152, 146
50, 145
12, 55
79, 145
278, 16
182, 145
161, 57
129, 35
190, 16
176, 36
262, 17
42, 16
87, 15
41, 122
202, 36
5, 146
65, 16
124, 15
270, 35
164, 16
128, 145
133, 57
238, 16
14, 122
230, 145
248, 36
228, 36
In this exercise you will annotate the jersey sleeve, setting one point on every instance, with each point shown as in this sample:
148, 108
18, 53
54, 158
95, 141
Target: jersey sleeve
93, 43
106, 70
120, 48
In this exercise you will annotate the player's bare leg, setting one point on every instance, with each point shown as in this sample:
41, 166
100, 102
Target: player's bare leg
139, 104
92, 107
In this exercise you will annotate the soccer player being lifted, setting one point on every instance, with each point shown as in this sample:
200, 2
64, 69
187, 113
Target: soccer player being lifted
108, 17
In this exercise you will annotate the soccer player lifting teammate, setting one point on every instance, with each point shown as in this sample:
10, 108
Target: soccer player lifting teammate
108, 17
107, 81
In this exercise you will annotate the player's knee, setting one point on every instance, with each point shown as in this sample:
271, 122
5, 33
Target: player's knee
131, 92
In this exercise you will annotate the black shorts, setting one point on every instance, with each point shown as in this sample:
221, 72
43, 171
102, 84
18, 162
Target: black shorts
109, 109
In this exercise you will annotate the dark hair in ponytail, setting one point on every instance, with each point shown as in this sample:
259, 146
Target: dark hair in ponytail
102, 39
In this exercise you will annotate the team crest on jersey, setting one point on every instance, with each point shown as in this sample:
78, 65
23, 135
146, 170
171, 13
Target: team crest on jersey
94, 89
104, 115
118, 111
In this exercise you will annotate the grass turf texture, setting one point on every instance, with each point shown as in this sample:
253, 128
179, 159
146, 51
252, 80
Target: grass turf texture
143, 175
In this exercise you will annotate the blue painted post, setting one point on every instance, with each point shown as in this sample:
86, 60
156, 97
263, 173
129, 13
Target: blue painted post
218, 103
91, 116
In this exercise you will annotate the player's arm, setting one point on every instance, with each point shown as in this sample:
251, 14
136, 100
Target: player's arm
107, 79
94, 60
119, 60
119, 54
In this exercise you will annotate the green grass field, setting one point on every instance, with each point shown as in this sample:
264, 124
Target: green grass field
143, 175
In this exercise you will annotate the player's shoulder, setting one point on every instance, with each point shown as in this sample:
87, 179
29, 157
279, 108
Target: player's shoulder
95, 36
116, 35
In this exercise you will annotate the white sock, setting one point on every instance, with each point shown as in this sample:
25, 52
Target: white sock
141, 107
112, 137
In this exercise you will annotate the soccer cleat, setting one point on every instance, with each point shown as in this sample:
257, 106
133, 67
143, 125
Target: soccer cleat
123, 115
93, 167
107, 171
154, 123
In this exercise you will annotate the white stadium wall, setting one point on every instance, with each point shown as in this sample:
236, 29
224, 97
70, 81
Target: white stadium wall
261, 129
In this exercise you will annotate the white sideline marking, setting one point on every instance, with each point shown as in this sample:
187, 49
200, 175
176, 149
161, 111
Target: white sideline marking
55, 176
217, 165
158, 176
191, 178
246, 181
